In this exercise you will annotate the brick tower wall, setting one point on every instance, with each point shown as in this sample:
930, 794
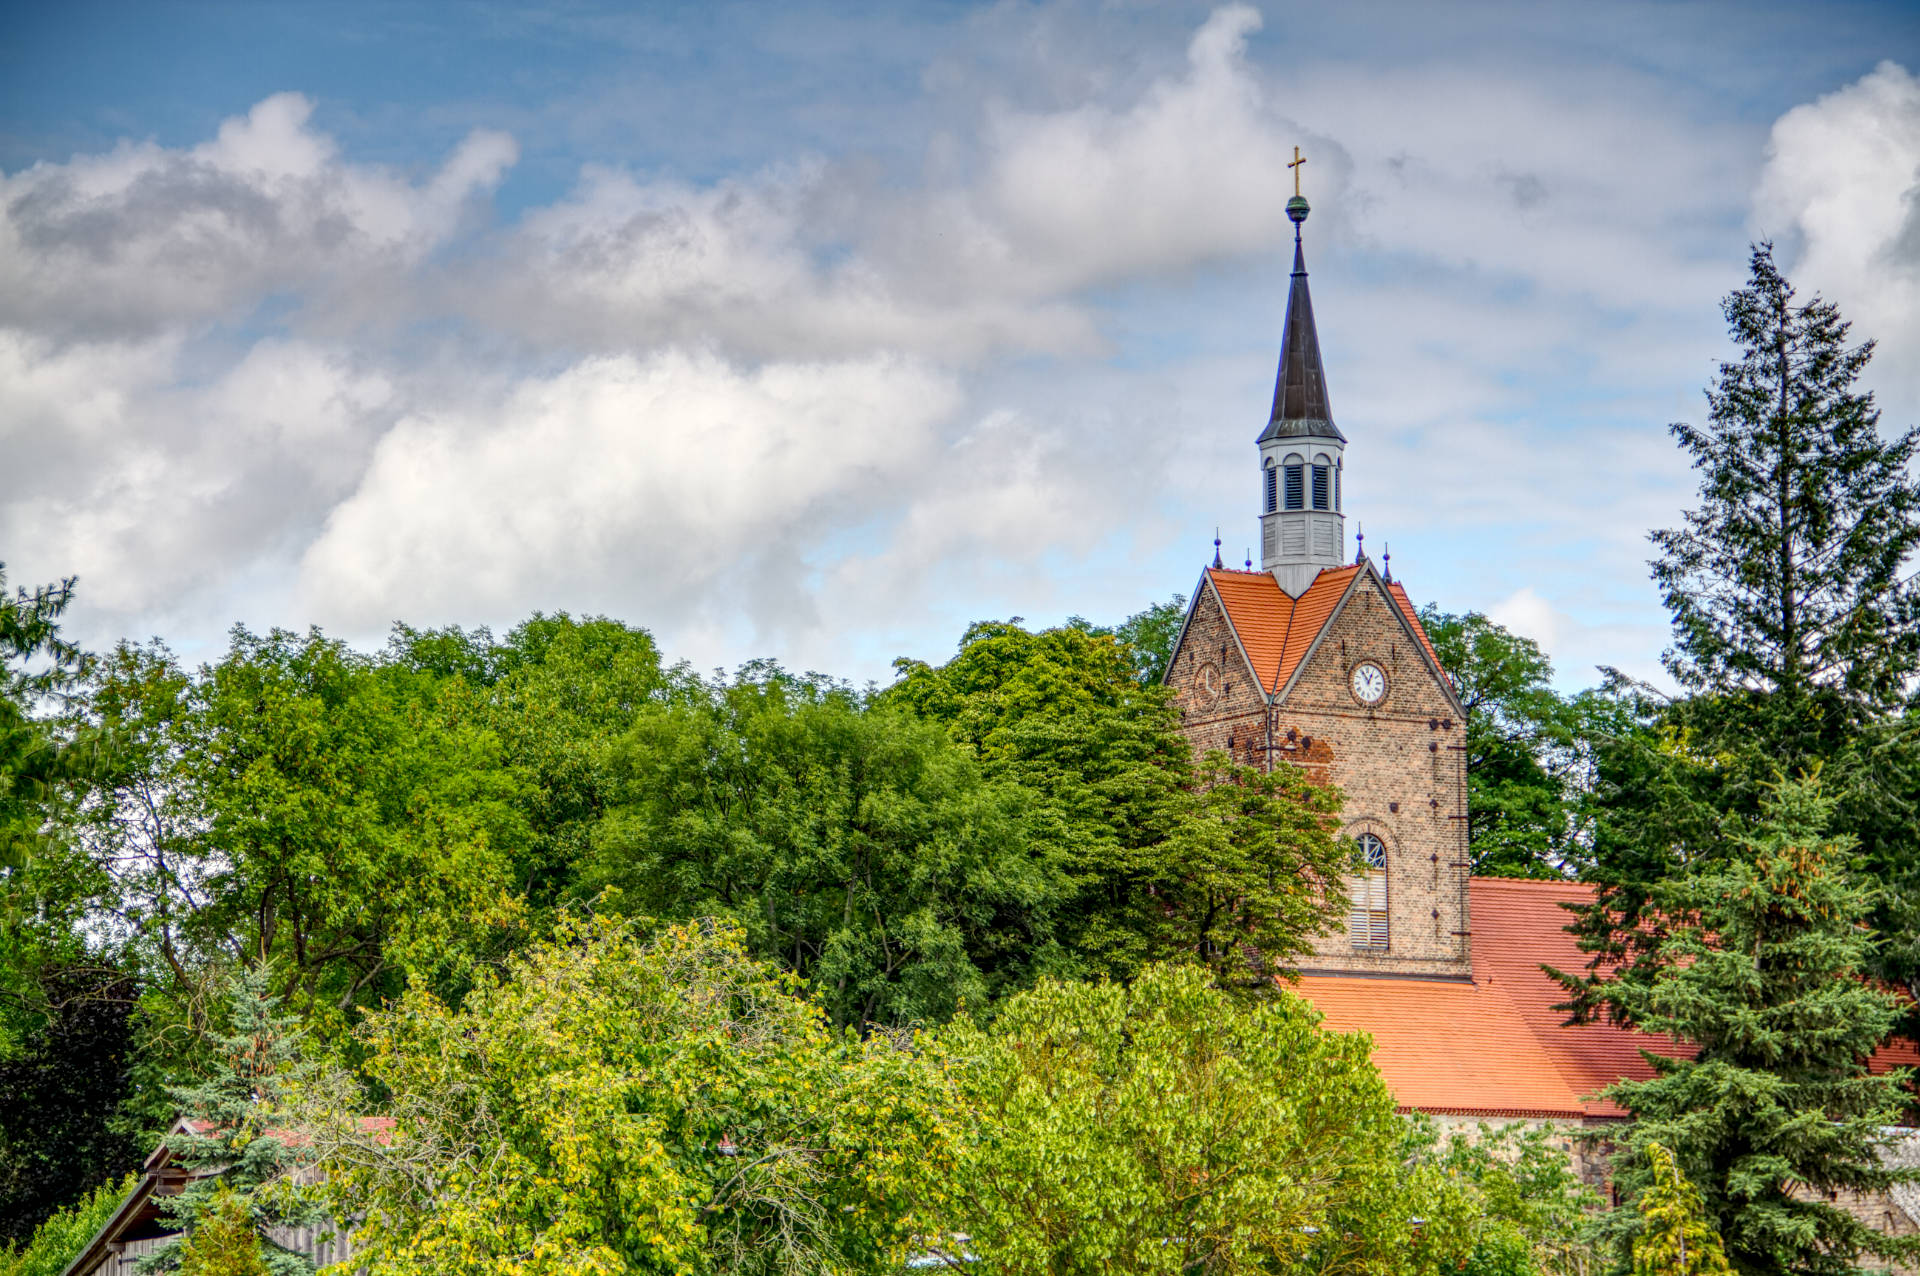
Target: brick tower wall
1400, 763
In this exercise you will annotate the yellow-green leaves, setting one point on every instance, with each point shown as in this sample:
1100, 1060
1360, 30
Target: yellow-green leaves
618, 1103
1677, 1239
1168, 1127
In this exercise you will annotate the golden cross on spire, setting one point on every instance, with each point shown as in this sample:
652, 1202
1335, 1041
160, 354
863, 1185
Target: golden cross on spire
1298, 160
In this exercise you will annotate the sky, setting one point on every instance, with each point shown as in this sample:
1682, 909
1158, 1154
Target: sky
816, 332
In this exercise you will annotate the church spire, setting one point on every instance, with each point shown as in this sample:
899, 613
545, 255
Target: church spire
1300, 407
1302, 525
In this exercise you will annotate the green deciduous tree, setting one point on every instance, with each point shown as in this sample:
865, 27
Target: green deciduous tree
240, 1169
58, 1241
61, 1095
1148, 634
295, 804
1675, 1237
1168, 858
1758, 969
615, 1103
1167, 1127
858, 846
1513, 1191
225, 1243
557, 692
1524, 748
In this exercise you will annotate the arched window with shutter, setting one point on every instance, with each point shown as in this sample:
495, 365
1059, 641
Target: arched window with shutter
1322, 483
1295, 478
1272, 487
1367, 893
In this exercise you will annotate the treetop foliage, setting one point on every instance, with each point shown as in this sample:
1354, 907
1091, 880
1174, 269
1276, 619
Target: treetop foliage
1786, 580
57, 1241
614, 1101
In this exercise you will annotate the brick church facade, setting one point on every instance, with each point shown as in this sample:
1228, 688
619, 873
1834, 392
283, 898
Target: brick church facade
1318, 659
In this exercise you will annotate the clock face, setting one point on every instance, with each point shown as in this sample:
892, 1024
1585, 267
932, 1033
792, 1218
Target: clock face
1209, 680
1369, 684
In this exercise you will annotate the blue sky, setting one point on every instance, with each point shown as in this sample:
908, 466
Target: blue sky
819, 331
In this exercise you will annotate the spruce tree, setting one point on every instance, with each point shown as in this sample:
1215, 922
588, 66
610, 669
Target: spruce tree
1786, 581
1759, 971
1675, 1238
1796, 633
233, 1159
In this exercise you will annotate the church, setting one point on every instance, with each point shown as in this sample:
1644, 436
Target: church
1318, 659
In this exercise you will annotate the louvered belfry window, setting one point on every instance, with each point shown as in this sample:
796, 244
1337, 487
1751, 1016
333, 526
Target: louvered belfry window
1320, 487
1367, 917
1273, 490
1296, 487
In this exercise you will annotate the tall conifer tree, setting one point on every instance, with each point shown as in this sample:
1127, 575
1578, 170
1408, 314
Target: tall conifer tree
1787, 580
1796, 617
1759, 972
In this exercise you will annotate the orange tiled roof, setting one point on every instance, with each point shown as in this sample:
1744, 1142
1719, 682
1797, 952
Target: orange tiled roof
1413, 618
1496, 1046
1277, 630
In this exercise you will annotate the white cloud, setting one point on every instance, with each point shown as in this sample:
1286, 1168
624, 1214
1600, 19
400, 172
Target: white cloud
1844, 171
823, 396
145, 238
160, 491
676, 485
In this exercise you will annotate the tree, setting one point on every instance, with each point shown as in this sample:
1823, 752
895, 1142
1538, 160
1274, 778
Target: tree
58, 1241
1796, 638
1758, 969
1149, 635
226, 1243
1523, 747
1524, 1208
294, 805
61, 1093
858, 846
1675, 1238
1167, 1127
614, 1102
239, 1169
1168, 857
32, 759
1785, 583
557, 693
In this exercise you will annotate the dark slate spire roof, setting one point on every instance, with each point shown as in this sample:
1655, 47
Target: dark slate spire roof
1300, 407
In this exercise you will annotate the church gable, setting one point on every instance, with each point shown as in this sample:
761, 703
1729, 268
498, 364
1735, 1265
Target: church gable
1372, 622
1214, 680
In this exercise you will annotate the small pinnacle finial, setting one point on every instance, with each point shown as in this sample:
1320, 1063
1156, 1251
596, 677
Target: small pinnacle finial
1249, 558
1360, 543
1386, 562
1216, 550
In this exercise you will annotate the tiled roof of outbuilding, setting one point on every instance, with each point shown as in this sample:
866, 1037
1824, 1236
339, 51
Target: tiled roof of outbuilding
1496, 1046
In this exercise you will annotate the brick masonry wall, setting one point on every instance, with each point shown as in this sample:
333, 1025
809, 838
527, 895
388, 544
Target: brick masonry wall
1219, 697
1403, 777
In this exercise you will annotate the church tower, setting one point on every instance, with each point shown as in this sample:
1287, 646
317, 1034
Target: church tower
1302, 525
1320, 662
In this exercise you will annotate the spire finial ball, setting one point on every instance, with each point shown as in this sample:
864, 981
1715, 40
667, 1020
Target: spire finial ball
1297, 209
